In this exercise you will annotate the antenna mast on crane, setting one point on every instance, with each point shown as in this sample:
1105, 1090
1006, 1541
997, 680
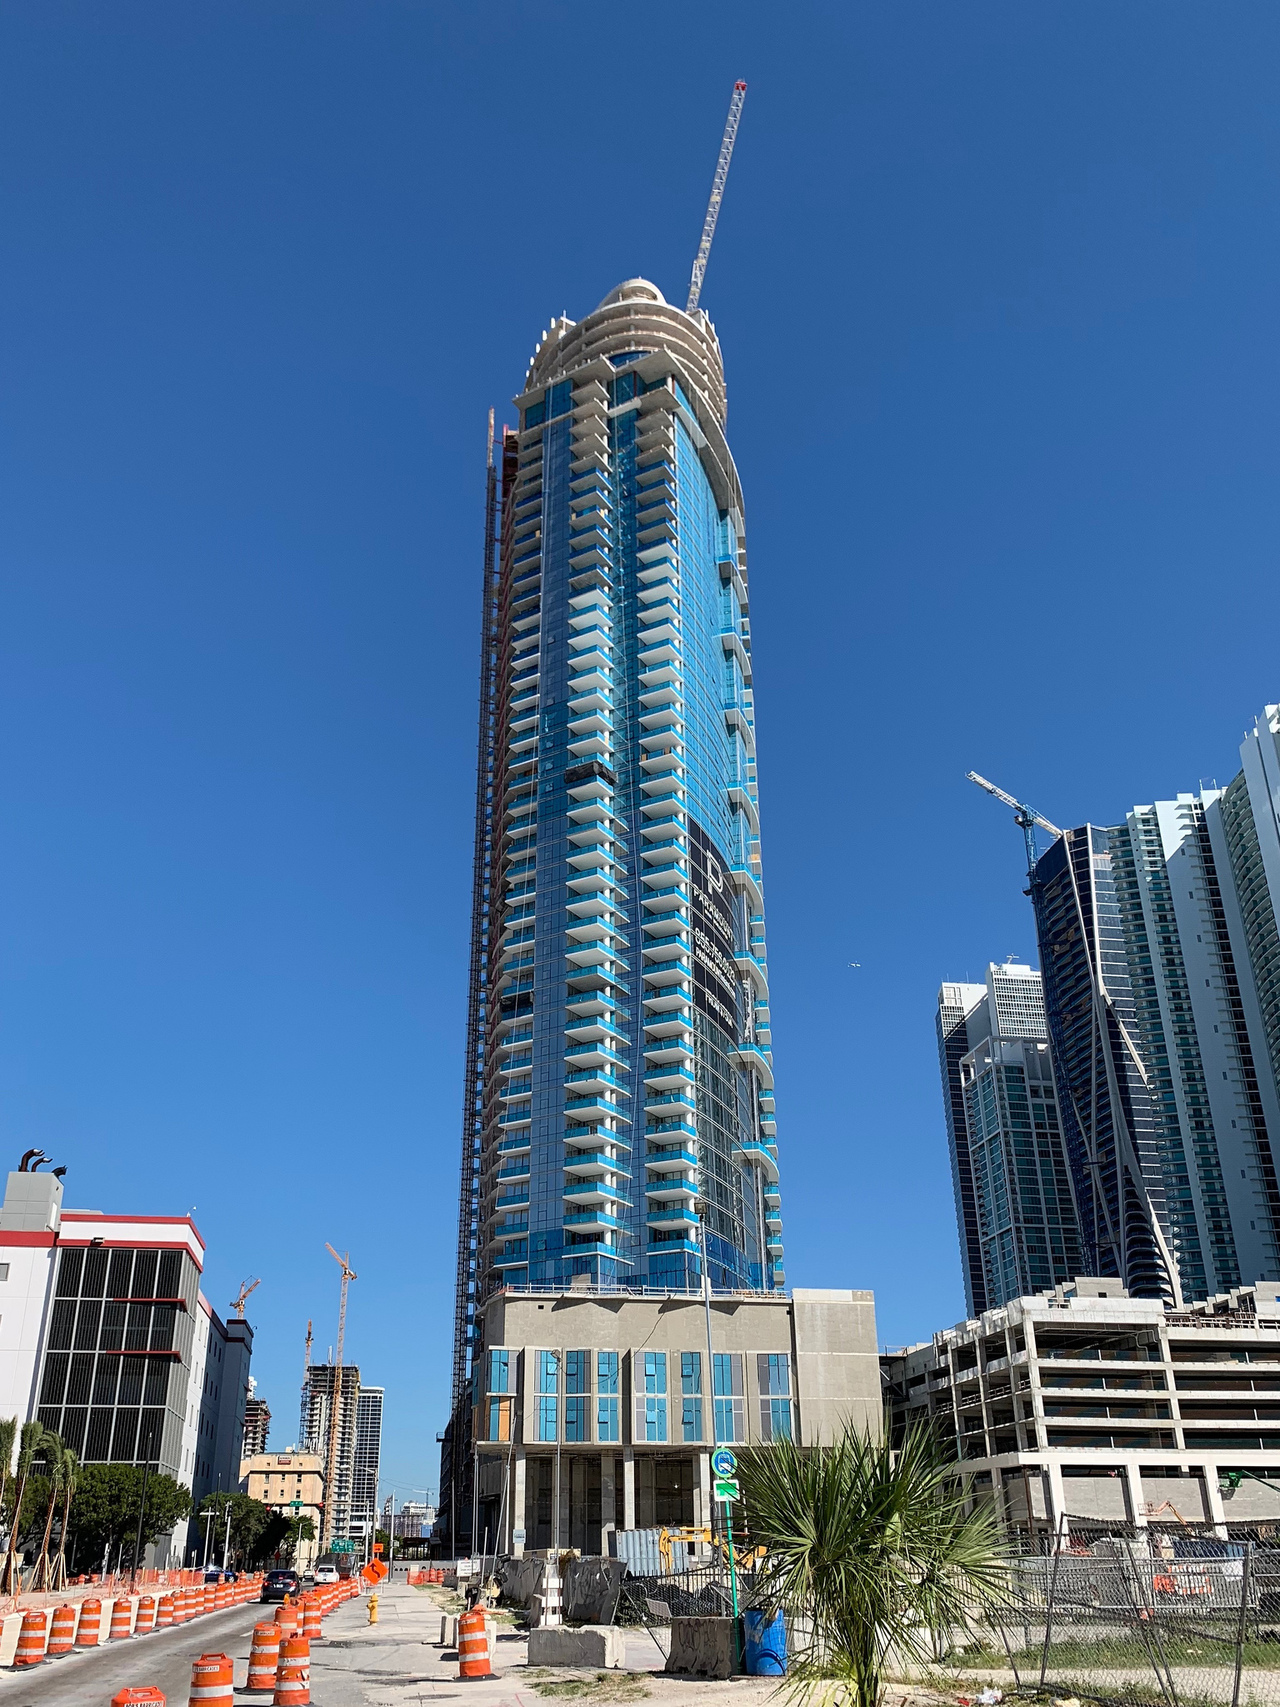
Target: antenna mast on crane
717, 195
335, 1403
1024, 816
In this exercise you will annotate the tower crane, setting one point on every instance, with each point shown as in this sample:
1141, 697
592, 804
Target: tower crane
246, 1287
717, 195
1026, 817
335, 1398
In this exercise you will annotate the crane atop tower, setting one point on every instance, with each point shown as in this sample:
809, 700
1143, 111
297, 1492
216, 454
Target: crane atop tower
237, 1303
335, 1403
1024, 816
717, 195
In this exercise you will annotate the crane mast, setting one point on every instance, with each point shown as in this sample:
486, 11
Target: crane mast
1024, 816
335, 1402
717, 195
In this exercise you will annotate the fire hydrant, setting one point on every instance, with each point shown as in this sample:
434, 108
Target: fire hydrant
373, 1609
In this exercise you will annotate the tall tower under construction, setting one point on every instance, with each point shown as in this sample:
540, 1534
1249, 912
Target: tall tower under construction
619, 1115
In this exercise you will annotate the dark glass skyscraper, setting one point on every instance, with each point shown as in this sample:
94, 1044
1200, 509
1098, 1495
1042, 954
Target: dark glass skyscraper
619, 1123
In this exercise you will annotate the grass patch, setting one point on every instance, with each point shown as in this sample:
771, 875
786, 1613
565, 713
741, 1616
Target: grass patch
604, 1686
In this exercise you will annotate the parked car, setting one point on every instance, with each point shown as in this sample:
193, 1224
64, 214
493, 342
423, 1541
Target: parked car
326, 1573
213, 1575
277, 1584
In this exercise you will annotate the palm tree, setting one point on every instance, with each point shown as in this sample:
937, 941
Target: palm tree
29, 1442
70, 1473
871, 1549
8, 1434
54, 1452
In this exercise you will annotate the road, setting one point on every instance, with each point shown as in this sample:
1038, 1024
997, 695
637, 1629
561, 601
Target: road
92, 1676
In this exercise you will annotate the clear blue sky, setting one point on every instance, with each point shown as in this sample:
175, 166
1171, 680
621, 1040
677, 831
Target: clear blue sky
997, 287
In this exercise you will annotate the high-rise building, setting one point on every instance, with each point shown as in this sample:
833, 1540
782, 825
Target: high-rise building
1105, 1099
368, 1459
1014, 1202
619, 1115
1162, 962
316, 1410
257, 1424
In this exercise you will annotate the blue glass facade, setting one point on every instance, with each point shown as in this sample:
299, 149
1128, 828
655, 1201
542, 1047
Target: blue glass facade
622, 1128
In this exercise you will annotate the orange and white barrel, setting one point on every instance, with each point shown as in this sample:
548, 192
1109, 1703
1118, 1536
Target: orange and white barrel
31, 1639
264, 1659
293, 1676
145, 1622
89, 1629
473, 1646
62, 1633
165, 1613
121, 1619
311, 1618
211, 1681
287, 1619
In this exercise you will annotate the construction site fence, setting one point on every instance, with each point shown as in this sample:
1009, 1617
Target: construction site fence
1195, 1626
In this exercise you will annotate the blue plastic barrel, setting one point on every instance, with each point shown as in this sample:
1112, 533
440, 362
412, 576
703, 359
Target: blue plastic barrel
766, 1645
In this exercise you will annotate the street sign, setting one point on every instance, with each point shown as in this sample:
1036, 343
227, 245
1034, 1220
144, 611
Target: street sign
342, 1545
723, 1462
726, 1489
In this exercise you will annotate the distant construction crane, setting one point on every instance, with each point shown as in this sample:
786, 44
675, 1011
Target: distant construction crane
335, 1403
246, 1287
717, 195
1026, 817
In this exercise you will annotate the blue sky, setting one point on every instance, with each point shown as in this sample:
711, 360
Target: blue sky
997, 291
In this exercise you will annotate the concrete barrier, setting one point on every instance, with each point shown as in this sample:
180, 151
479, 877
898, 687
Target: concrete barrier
594, 1647
703, 1647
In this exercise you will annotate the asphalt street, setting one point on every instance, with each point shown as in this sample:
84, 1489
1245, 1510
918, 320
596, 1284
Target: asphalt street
92, 1676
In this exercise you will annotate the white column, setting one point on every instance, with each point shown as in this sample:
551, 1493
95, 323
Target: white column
1213, 1500
1057, 1498
517, 1503
704, 1496
1137, 1498
628, 1488
608, 1499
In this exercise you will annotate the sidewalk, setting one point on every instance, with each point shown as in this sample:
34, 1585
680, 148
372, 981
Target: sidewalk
396, 1663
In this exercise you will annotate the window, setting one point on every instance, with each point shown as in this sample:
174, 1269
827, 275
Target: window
649, 1369
500, 1419
499, 1372
577, 1382
4, 1271
607, 1422
548, 1387
773, 1371
691, 1395
730, 1403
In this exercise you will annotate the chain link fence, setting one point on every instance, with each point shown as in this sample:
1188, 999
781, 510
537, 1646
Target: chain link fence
1183, 1620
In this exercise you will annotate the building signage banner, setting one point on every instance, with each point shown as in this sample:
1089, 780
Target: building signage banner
715, 977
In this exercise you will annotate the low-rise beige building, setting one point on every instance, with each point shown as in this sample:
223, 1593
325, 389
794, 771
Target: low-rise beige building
618, 1399
291, 1483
